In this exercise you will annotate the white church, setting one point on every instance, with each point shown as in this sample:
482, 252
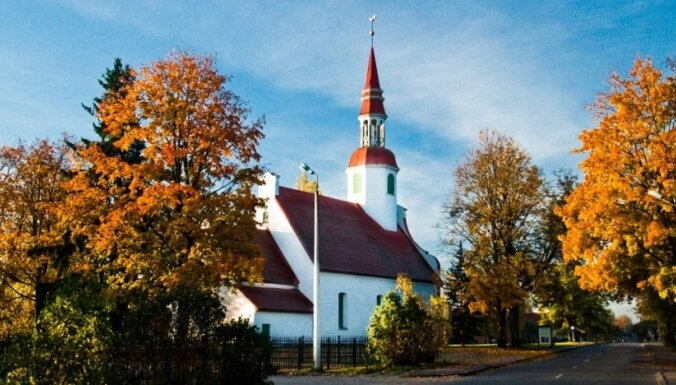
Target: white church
364, 242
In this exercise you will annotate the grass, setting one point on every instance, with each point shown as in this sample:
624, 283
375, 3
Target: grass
452, 356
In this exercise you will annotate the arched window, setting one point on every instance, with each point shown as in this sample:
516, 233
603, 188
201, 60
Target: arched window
390, 184
365, 133
356, 184
342, 306
379, 299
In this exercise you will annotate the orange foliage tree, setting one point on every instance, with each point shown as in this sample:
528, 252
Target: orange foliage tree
621, 219
496, 210
33, 241
181, 216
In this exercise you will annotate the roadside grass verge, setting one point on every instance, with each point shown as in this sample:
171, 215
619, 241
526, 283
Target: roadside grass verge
454, 356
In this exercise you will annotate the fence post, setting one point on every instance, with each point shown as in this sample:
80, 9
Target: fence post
328, 353
354, 351
301, 342
338, 351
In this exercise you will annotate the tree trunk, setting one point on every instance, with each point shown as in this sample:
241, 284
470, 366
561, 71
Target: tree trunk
514, 330
668, 333
502, 325
42, 292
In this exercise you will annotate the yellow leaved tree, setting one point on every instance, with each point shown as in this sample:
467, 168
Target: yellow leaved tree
621, 220
182, 214
33, 244
495, 210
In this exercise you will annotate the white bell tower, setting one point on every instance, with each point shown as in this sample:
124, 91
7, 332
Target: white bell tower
372, 171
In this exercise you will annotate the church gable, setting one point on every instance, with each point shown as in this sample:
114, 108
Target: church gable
351, 242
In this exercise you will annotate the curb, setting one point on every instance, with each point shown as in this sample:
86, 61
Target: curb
665, 378
482, 368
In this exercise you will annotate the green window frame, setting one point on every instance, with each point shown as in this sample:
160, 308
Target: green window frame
390, 184
356, 183
342, 303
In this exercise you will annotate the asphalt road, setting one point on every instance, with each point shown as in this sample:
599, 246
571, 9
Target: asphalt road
616, 364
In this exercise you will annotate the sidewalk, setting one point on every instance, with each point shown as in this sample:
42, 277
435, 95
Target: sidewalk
663, 360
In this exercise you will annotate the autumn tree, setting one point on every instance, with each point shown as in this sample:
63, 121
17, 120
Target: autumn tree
34, 245
623, 325
47, 314
495, 209
303, 183
180, 219
569, 306
621, 218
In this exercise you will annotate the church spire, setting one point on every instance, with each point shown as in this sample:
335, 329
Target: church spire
372, 115
372, 95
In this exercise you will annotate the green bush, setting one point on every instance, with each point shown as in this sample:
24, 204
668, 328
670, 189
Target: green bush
182, 339
244, 353
67, 346
72, 343
404, 331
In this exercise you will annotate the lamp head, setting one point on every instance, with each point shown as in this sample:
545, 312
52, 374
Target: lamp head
306, 168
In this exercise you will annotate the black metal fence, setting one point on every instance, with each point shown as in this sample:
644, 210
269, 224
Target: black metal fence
296, 352
288, 353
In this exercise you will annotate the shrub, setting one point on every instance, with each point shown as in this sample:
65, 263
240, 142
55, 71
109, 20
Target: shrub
68, 346
244, 353
404, 331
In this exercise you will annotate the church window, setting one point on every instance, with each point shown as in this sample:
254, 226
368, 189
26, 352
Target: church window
379, 299
265, 330
342, 305
382, 133
365, 133
390, 184
356, 184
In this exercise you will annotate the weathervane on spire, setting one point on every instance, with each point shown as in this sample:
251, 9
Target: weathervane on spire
372, 19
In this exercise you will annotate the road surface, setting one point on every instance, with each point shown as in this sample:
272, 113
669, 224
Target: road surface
610, 364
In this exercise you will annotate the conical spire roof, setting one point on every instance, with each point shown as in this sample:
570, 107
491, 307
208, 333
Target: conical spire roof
372, 95
372, 80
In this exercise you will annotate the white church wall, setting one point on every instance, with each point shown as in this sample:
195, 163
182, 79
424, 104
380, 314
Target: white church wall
361, 299
285, 324
236, 304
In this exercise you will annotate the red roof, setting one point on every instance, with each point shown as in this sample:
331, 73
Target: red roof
373, 156
372, 96
350, 241
276, 269
277, 300
372, 80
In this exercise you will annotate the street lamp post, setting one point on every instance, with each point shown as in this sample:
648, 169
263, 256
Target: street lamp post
316, 339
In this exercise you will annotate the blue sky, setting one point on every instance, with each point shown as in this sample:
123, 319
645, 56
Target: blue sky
526, 69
